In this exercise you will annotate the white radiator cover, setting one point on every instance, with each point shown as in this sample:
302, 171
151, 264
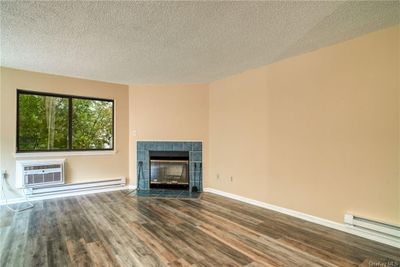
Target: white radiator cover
386, 229
38, 173
77, 187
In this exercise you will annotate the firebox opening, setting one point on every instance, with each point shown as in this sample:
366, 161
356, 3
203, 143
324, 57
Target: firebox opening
169, 169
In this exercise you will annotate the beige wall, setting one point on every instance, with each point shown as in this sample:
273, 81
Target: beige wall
317, 133
168, 112
78, 168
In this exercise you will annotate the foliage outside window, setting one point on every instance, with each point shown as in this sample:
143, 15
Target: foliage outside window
49, 122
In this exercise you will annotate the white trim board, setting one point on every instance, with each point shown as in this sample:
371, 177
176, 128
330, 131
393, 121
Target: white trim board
169, 140
69, 194
395, 242
64, 153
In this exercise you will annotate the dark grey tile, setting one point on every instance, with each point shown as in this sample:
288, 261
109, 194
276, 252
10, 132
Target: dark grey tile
153, 145
195, 176
144, 193
167, 193
140, 146
160, 146
150, 146
177, 146
196, 156
147, 145
141, 155
157, 190
170, 194
197, 146
146, 165
187, 146
143, 184
168, 146
189, 195
192, 166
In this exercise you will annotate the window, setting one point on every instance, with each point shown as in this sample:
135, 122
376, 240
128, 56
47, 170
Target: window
50, 122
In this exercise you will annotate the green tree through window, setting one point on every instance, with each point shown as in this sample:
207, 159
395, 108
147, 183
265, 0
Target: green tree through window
44, 123
92, 124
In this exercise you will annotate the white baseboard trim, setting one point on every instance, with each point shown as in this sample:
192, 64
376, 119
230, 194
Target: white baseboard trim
310, 218
68, 194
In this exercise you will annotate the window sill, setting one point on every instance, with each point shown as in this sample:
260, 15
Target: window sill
63, 154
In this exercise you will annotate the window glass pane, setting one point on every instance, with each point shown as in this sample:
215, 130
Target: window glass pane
43, 122
92, 124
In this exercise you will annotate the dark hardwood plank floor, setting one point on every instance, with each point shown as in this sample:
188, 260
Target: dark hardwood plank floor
111, 229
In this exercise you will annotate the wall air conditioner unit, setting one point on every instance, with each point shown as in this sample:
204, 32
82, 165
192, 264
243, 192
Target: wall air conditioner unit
37, 173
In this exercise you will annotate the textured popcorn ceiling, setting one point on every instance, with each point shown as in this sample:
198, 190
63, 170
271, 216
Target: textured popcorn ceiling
175, 42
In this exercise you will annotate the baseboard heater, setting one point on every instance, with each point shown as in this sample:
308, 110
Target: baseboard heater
387, 230
75, 187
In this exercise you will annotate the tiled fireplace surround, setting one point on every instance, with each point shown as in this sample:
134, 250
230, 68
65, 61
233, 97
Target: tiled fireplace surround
195, 157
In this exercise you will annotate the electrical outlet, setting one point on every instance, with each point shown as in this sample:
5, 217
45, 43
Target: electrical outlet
218, 176
231, 178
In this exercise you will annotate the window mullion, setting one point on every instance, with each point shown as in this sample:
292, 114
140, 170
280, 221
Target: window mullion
70, 123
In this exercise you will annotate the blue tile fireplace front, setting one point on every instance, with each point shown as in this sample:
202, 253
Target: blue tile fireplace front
189, 171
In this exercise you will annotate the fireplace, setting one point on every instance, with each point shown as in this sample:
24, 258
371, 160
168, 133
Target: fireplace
169, 169
191, 152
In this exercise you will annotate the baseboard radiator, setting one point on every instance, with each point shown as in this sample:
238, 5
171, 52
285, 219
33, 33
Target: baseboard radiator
75, 187
387, 230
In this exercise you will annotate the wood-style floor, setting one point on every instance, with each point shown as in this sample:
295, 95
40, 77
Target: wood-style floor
111, 229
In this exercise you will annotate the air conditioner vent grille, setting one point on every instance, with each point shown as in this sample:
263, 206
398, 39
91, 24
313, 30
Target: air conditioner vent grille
37, 173
41, 167
57, 176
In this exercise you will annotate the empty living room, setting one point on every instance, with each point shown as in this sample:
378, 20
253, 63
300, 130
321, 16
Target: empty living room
200, 133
